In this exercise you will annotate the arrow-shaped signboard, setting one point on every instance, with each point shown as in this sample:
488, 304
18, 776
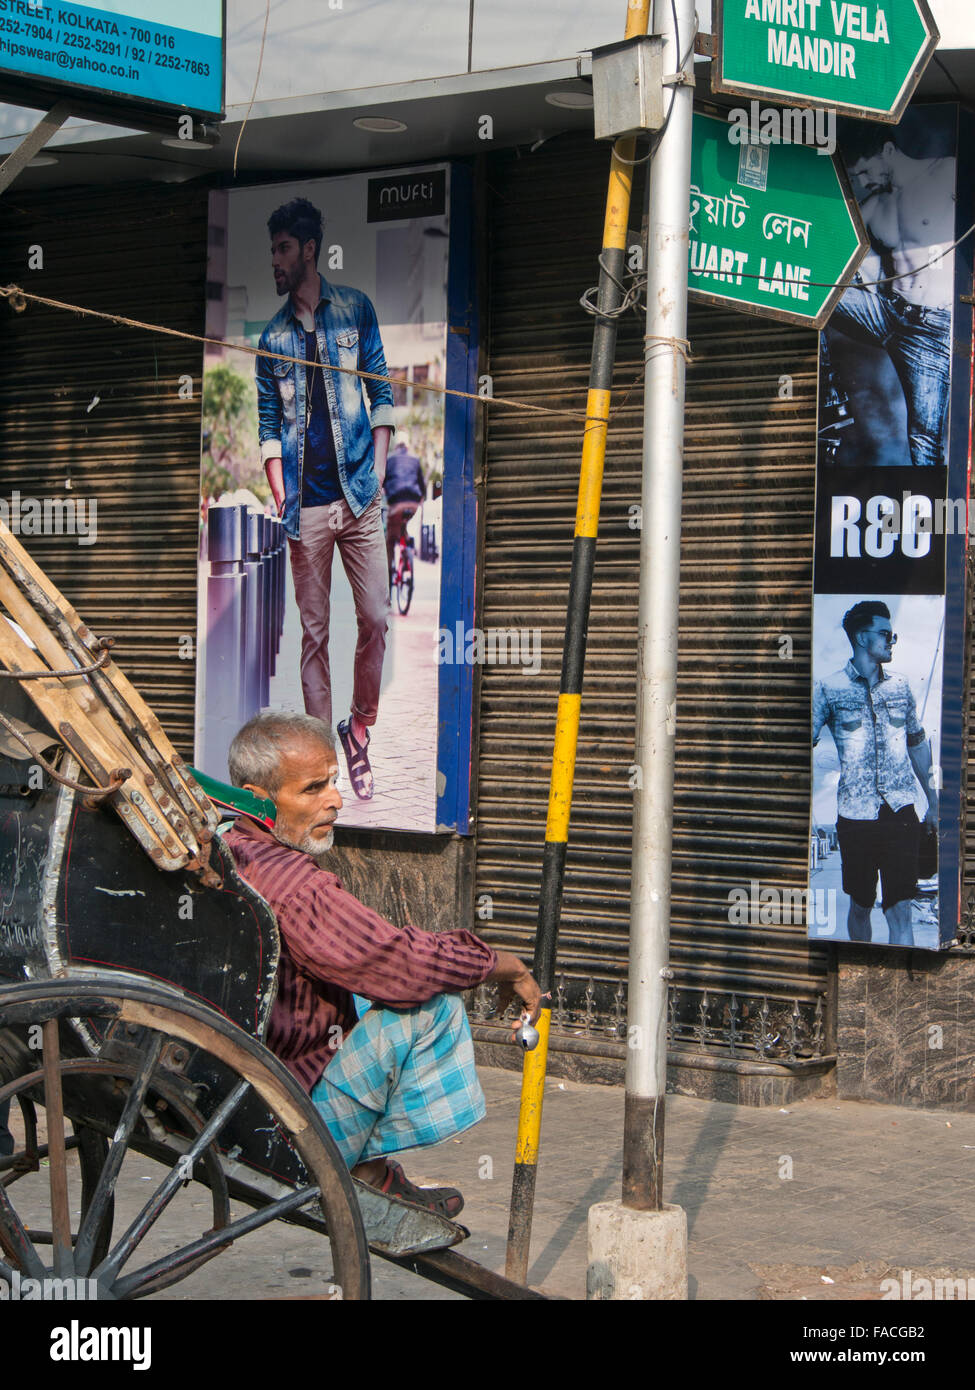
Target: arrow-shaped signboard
863, 59
774, 229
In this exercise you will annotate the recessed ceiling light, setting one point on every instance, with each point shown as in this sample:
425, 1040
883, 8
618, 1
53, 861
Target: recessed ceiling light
573, 101
40, 161
175, 143
379, 123
203, 138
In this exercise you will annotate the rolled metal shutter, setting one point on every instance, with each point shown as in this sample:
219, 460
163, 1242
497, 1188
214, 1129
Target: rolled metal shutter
966, 933
99, 406
743, 774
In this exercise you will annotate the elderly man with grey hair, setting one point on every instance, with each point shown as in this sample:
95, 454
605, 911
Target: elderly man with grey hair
403, 1075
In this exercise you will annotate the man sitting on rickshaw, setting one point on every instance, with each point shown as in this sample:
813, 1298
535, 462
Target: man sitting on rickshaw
402, 1076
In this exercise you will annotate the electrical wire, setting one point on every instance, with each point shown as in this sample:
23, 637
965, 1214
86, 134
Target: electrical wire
861, 284
257, 78
938, 63
630, 295
658, 135
19, 298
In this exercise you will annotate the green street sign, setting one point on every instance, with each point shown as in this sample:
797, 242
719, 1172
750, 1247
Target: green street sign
863, 59
773, 228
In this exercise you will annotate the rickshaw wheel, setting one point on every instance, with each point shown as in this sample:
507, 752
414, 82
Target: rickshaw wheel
120, 1060
92, 1150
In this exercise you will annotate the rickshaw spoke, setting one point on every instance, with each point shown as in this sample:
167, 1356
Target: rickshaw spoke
16, 1241
14, 1167
95, 1215
167, 1189
207, 1128
137, 1283
57, 1153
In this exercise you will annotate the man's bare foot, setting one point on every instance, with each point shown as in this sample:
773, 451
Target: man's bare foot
388, 1177
372, 1172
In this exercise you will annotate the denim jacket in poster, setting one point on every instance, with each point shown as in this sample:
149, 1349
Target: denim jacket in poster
874, 730
348, 336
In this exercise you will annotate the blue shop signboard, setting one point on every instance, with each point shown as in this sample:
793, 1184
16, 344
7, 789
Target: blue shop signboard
159, 55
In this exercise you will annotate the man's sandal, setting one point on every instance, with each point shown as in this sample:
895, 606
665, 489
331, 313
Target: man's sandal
445, 1201
357, 759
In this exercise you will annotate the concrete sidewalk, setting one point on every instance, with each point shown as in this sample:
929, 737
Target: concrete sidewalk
874, 1190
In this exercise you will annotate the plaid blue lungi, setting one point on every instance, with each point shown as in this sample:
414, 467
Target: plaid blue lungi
402, 1079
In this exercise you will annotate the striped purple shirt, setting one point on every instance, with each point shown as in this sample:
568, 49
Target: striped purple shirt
333, 946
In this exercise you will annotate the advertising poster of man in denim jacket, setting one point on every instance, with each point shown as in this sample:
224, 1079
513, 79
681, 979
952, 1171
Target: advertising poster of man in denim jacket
327, 321
324, 449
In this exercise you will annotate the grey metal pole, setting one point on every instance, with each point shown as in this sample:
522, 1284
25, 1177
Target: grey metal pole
663, 443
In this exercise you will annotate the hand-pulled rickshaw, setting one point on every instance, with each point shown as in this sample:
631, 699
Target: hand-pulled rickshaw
135, 987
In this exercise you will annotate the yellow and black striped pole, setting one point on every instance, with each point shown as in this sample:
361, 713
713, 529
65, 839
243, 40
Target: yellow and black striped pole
573, 660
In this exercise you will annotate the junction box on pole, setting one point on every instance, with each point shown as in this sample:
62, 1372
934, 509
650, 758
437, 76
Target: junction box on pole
627, 87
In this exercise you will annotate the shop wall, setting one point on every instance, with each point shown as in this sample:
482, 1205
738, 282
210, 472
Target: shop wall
906, 1028
106, 419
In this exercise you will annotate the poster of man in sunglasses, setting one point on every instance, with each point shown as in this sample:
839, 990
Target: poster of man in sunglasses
875, 782
886, 352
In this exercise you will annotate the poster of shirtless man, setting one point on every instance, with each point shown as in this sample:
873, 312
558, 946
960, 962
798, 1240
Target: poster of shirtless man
886, 352
881, 631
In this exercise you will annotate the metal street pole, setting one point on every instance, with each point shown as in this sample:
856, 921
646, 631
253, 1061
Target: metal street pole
570, 687
663, 445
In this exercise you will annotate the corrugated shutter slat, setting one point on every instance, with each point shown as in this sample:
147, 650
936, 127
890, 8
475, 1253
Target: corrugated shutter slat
743, 775
138, 251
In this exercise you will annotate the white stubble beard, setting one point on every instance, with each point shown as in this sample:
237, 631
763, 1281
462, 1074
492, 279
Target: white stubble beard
317, 844
311, 844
